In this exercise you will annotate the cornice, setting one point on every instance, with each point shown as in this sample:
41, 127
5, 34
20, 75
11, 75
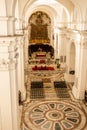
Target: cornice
6, 18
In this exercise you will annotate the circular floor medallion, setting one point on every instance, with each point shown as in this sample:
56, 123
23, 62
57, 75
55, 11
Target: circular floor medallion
54, 115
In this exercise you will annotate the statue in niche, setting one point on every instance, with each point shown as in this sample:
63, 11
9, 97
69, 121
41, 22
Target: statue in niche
39, 20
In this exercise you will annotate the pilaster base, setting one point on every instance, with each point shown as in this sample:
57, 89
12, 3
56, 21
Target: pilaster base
23, 95
69, 77
77, 93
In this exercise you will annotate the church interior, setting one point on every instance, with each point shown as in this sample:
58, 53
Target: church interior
43, 65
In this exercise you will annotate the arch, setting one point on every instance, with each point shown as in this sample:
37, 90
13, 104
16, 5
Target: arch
52, 11
18, 22
76, 17
47, 9
10, 7
64, 16
66, 3
14, 3
2, 8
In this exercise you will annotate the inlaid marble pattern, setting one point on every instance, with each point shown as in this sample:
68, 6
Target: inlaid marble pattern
48, 85
46, 80
57, 110
54, 115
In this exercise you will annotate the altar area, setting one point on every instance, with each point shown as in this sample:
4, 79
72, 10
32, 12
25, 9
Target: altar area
41, 54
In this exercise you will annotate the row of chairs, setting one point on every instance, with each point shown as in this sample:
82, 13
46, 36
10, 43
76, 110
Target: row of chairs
57, 84
60, 84
37, 90
36, 84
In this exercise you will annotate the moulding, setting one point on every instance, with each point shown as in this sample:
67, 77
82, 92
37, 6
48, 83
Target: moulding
6, 18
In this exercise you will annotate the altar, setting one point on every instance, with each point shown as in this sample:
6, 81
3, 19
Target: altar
41, 55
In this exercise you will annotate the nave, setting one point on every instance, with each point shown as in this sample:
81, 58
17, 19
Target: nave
32, 32
50, 104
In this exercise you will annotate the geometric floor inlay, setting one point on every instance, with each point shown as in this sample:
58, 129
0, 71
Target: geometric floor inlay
54, 115
51, 108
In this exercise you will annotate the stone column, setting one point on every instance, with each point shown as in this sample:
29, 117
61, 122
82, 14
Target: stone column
59, 44
10, 25
56, 45
62, 46
54, 38
73, 37
51, 36
13, 55
7, 25
3, 25
8, 85
81, 70
69, 77
26, 43
20, 68
26, 56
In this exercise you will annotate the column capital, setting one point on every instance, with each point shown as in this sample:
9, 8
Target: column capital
62, 31
7, 64
20, 41
8, 53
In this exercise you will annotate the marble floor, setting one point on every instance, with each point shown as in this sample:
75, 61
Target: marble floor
52, 112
